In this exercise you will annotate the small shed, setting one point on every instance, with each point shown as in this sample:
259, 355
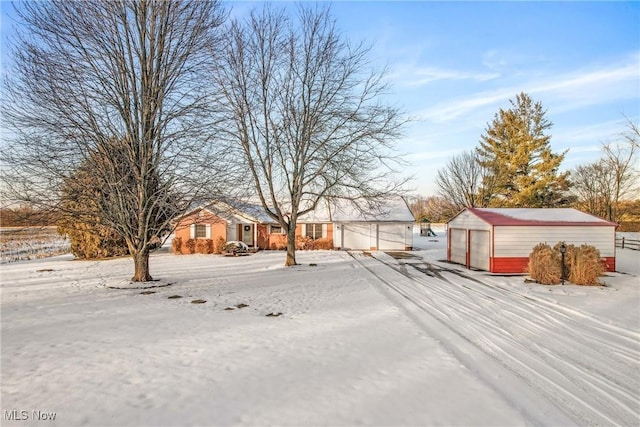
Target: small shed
499, 240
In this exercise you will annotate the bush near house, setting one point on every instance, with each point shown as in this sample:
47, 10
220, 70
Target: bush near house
190, 245
176, 245
204, 246
326, 244
303, 243
582, 265
218, 245
307, 243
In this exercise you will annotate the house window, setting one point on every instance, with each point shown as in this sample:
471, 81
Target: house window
276, 229
314, 231
201, 231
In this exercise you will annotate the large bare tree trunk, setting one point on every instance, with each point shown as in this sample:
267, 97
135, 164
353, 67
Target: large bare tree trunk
141, 267
291, 247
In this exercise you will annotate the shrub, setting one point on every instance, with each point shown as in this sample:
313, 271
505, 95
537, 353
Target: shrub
204, 246
321, 244
176, 245
91, 241
544, 265
191, 246
278, 242
586, 266
582, 266
303, 242
218, 245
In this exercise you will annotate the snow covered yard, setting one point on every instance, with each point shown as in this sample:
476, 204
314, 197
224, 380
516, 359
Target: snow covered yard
369, 340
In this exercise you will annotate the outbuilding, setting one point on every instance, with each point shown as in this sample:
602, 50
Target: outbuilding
499, 240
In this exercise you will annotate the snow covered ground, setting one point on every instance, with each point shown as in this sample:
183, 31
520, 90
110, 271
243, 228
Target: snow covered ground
362, 339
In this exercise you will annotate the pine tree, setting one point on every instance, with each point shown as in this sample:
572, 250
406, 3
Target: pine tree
80, 215
515, 148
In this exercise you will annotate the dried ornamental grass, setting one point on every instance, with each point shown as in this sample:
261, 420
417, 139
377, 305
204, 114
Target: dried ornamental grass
587, 267
582, 266
544, 265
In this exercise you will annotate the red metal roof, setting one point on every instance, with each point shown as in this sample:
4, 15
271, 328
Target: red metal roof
539, 217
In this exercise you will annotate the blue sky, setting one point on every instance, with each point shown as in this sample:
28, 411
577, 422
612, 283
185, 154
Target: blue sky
453, 65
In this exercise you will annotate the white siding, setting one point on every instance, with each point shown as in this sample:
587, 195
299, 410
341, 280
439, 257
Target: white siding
358, 236
408, 237
391, 237
518, 241
458, 246
479, 249
232, 234
337, 235
469, 221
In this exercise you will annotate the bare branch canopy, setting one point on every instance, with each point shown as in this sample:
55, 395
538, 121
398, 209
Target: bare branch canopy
305, 114
121, 89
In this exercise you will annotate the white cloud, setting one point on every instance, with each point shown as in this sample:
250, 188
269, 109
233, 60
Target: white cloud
412, 76
595, 134
566, 92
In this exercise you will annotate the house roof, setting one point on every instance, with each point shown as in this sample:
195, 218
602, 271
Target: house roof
394, 209
538, 217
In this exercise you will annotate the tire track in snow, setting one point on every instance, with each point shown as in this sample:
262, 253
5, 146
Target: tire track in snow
586, 368
573, 343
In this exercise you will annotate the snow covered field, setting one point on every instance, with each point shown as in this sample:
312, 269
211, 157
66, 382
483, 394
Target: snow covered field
362, 339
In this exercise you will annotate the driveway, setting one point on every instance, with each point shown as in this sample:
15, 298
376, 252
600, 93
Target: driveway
540, 355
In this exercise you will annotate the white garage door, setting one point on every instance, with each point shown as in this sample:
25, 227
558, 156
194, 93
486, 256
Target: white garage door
391, 237
357, 236
458, 246
479, 249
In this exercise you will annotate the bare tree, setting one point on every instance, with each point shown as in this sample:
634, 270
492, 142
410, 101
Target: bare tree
306, 115
601, 186
433, 209
129, 82
591, 185
621, 159
464, 181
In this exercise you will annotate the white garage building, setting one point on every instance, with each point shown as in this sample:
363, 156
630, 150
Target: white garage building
500, 240
386, 227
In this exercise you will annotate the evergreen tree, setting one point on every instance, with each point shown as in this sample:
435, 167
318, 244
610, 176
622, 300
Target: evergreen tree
523, 170
81, 211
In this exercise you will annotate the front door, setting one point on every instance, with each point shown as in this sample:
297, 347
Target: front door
247, 233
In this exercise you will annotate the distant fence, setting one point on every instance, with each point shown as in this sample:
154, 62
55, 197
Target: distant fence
627, 243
